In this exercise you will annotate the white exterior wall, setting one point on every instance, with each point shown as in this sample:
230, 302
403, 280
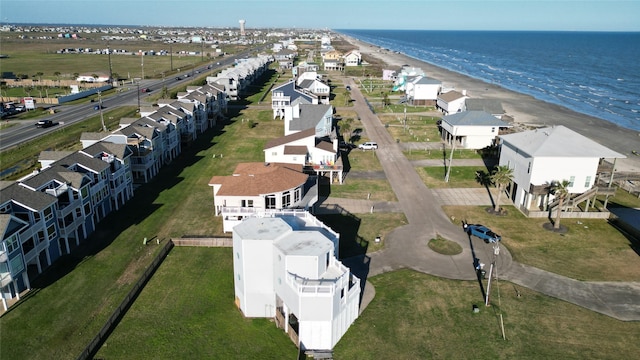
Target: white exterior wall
425, 91
519, 163
253, 277
474, 137
321, 156
548, 169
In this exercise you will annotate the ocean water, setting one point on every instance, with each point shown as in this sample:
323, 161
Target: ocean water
594, 73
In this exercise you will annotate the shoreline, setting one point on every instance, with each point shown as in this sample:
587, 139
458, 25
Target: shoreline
525, 109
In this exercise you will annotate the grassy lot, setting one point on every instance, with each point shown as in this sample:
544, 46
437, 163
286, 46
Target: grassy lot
24, 158
30, 56
416, 316
361, 160
444, 246
380, 190
590, 250
440, 154
187, 311
459, 177
415, 129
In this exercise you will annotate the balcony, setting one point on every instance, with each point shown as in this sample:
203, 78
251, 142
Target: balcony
5, 279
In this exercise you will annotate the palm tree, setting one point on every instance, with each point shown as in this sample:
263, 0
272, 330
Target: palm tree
561, 190
347, 96
345, 128
501, 176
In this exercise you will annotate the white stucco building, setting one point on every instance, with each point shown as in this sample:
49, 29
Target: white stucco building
540, 157
286, 268
471, 129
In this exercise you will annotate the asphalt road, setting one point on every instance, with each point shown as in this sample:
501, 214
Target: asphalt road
69, 114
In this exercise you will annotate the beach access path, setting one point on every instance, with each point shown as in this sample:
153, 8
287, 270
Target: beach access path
406, 246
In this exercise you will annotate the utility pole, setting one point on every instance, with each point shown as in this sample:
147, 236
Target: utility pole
453, 149
138, 83
110, 68
171, 55
142, 63
104, 128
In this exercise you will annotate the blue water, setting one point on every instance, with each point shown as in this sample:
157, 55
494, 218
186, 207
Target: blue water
594, 73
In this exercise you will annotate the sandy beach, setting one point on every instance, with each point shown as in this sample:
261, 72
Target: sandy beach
524, 109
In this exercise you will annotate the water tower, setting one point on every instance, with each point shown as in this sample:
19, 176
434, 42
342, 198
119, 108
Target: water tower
242, 22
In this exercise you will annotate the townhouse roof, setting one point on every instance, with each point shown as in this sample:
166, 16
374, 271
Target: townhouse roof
57, 173
34, 200
290, 138
85, 161
474, 118
54, 155
488, 105
558, 141
451, 96
92, 136
254, 179
120, 151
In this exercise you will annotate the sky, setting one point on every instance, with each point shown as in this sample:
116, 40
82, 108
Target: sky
542, 15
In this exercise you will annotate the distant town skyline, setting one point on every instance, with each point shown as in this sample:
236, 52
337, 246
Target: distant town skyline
539, 15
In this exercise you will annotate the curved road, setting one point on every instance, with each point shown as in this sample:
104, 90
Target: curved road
406, 246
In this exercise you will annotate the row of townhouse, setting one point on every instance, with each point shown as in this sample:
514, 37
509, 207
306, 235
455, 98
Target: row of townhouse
235, 80
47, 214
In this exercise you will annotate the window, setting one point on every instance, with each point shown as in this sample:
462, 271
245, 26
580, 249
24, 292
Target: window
12, 243
28, 246
286, 199
571, 181
296, 195
587, 182
48, 214
51, 231
270, 202
529, 168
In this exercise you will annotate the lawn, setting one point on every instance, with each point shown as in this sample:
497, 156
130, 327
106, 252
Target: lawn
417, 316
414, 129
459, 176
187, 311
590, 250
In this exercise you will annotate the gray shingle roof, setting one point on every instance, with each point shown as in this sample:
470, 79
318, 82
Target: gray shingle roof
289, 138
558, 141
487, 105
474, 118
34, 200
310, 115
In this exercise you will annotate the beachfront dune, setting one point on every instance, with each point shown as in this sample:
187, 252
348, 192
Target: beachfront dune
525, 109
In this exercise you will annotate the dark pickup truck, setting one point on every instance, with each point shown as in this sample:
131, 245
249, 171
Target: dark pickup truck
45, 123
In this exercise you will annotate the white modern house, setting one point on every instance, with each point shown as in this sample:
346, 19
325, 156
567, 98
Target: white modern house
422, 90
352, 58
451, 102
317, 154
257, 187
540, 157
286, 268
471, 129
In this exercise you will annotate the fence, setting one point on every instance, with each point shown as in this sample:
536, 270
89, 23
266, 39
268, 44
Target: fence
90, 351
204, 242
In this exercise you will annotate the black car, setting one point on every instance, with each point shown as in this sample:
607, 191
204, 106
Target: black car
45, 123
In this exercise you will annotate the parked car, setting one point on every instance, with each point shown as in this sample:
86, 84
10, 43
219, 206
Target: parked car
483, 233
45, 123
348, 88
369, 145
